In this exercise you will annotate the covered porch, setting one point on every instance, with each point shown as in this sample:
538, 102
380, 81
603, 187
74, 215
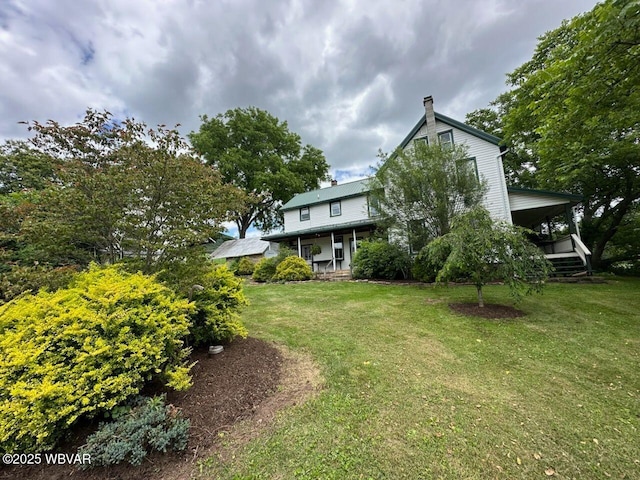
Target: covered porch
541, 211
327, 249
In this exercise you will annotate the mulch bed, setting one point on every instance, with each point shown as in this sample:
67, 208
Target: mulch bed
227, 387
488, 311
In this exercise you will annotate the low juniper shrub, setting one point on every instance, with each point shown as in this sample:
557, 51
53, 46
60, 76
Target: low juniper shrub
149, 426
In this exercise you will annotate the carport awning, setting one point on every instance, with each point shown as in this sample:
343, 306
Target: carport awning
532, 207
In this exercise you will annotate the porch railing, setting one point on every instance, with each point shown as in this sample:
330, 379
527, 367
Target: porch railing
330, 262
583, 252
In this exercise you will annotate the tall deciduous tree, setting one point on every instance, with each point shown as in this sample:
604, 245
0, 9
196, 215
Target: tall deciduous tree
124, 188
256, 152
420, 189
482, 250
574, 107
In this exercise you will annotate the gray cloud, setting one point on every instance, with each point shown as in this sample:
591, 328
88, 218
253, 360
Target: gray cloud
349, 77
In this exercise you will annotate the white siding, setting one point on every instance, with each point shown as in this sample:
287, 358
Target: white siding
489, 168
353, 209
524, 201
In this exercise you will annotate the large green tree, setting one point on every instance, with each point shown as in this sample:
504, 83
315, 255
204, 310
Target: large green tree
421, 189
123, 188
256, 152
573, 110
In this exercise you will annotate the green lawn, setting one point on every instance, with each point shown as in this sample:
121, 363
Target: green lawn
415, 391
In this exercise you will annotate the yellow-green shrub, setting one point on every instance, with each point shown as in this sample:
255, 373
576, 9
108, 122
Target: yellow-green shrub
245, 266
264, 270
293, 268
218, 304
83, 350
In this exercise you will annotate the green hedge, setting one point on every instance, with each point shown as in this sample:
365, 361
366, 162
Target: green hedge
83, 350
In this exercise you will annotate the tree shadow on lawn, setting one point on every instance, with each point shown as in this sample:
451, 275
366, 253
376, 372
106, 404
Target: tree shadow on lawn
490, 311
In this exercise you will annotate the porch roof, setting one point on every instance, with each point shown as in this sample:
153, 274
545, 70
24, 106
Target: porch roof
316, 231
546, 193
532, 207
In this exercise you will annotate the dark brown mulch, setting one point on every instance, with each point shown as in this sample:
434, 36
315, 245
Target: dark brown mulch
227, 387
488, 311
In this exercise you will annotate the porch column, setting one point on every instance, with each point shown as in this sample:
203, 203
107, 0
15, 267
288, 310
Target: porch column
355, 241
333, 251
299, 248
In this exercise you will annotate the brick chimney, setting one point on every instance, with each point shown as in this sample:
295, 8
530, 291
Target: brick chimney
334, 182
430, 116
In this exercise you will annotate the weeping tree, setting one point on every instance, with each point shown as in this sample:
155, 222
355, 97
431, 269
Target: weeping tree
482, 250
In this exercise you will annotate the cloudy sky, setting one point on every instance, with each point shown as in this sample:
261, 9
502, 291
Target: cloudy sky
348, 76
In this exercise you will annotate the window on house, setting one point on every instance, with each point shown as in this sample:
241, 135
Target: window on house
421, 141
373, 207
338, 248
335, 209
304, 214
446, 138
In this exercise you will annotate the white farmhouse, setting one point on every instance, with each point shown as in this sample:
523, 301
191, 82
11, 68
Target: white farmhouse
337, 218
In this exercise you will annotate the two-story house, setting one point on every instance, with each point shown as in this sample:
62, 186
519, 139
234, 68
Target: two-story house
338, 217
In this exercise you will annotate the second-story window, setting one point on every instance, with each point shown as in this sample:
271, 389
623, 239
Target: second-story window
421, 141
373, 203
446, 138
335, 209
304, 214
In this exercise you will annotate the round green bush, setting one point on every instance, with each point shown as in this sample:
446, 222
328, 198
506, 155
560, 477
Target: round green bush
381, 259
293, 269
264, 270
83, 350
245, 267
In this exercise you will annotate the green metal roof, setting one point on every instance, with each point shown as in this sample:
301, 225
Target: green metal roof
323, 229
328, 194
453, 123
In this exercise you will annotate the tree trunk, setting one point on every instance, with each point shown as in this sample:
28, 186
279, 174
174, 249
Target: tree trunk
243, 224
480, 299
